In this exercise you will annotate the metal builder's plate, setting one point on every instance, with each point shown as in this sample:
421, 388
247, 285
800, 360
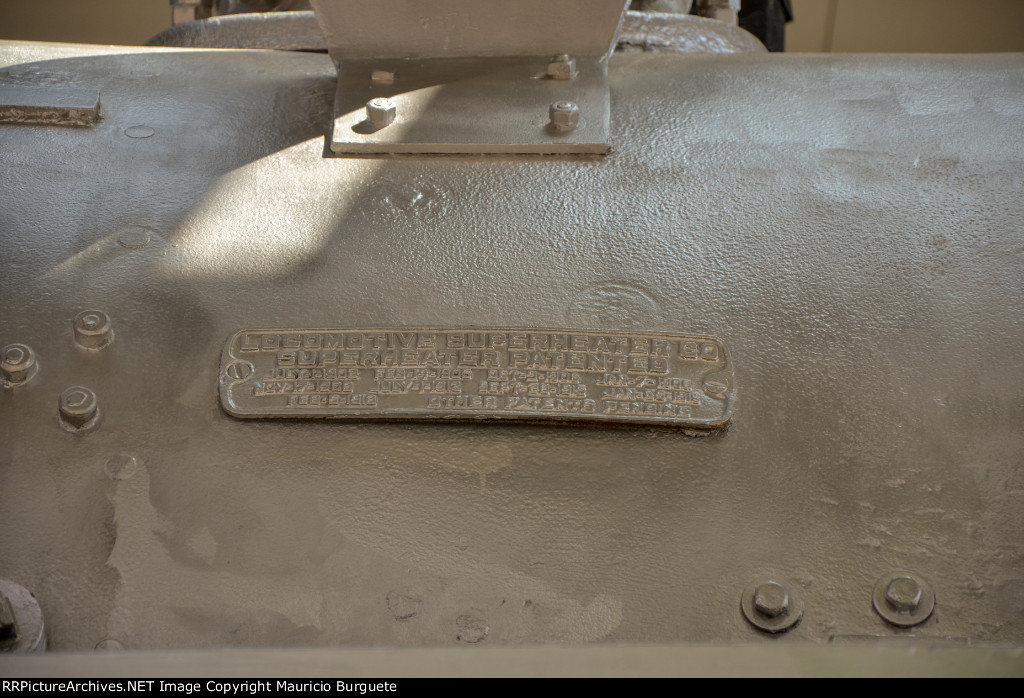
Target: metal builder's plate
520, 374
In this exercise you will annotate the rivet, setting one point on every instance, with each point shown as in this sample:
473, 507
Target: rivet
17, 364
93, 330
903, 599
771, 605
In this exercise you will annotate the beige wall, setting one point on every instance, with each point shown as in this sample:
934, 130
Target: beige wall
949, 26
906, 26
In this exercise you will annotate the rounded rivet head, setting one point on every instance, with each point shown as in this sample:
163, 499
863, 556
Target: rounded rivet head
903, 599
17, 364
565, 116
561, 67
381, 111
93, 330
771, 599
79, 408
771, 605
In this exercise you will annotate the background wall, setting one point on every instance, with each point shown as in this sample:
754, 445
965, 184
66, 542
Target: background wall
943, 26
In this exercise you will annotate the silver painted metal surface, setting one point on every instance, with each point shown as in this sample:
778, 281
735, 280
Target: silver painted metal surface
849, 225
299, 31
22, 629
47, 104
360, 29
524, 374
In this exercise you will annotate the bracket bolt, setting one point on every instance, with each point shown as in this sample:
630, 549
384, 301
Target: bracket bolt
381, 111
903, 594
17, 364
903, 598
78, 407
771, 606
771, 599
93, 330
565, 116
562, 67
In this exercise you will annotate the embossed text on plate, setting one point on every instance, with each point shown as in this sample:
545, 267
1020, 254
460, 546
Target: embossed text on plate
444, 374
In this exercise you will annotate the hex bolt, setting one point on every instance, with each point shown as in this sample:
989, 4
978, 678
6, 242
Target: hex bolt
903, 599
771, 599
562, 67
78, 407
565, 116
381, 111
17, 364
93, 330
772, 606
903, 594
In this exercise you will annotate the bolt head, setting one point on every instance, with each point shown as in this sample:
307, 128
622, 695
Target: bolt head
903, 594
17, 363
93, 329
78, 406
565, 116
771, 599
561, 67
381, 111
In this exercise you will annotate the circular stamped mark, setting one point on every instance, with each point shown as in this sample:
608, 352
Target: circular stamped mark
135, 237
139, 131
239, 370
614, 305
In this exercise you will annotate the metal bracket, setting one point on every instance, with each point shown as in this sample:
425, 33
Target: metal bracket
461, 76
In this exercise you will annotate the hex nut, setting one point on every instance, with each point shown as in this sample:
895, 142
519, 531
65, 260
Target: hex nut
78, 408
562, 67
565, 116
17, 365
771, 605
93, 330
381, 111
903, 599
